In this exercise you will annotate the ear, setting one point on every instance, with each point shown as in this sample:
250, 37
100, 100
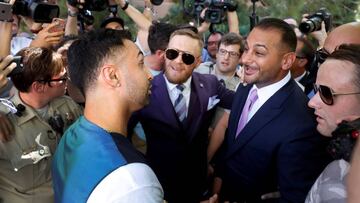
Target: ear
110, 75
288, 60
160, 53
38, 87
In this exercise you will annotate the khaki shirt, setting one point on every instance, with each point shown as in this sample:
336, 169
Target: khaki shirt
25, 161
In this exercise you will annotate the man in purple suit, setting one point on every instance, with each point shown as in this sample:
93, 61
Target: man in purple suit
176, 121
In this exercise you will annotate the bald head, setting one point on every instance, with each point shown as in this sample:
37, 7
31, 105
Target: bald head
345, 34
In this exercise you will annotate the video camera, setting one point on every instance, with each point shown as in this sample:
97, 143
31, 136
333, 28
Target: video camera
216, 9
85, 15
38, 10
314, 21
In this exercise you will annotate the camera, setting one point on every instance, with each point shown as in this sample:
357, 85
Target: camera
39, 11
91, 5
216, 10
19, 66
314, 21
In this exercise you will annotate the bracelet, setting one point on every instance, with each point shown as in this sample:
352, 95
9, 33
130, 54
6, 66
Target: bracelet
72, 14
125, 6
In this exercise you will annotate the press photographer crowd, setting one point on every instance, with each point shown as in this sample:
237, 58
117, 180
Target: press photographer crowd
177, 113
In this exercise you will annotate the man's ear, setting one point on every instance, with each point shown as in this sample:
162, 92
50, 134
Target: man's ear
110, 75
288, 60
38, 87
160, 53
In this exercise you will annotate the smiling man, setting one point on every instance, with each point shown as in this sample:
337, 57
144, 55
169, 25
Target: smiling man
271, 142
177, 119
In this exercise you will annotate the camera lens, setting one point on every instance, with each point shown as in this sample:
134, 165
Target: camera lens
311, 25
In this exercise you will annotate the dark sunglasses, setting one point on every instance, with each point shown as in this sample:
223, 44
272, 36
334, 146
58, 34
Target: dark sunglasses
327, 94
172, 54
322, 54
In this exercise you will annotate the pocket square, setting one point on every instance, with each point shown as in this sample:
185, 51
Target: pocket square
212, 102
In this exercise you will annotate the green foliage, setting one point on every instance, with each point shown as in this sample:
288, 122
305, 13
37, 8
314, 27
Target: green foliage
343, 11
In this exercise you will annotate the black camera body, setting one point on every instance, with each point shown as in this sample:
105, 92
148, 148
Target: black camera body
217, 8
38, 10
314, 21
91, 5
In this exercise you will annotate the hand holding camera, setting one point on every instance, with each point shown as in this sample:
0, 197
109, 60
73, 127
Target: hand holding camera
50, 35
6, 67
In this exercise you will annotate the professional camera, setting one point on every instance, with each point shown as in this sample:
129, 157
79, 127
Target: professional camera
314, 21
216, 10
39, 11
91, 5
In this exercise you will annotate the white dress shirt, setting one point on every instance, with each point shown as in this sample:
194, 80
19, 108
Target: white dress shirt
174, 92
265, 93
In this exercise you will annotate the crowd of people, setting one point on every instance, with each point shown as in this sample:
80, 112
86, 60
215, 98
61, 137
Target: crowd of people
267, 117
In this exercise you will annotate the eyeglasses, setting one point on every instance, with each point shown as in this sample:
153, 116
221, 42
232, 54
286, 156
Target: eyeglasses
223, 52
60, 81
327, 94
172, 54
321, 55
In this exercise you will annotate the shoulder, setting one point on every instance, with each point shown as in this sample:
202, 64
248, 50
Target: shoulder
129, 183
62, 101
204, 68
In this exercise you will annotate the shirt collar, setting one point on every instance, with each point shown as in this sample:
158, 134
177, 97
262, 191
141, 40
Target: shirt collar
171, 86
266, 92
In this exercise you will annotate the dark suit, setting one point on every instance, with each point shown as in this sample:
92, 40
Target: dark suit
278, 150
308, 82
177, 151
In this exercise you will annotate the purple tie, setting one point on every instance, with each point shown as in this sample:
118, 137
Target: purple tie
245, 112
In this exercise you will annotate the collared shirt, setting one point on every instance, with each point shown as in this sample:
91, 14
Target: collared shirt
265, 93
174, 92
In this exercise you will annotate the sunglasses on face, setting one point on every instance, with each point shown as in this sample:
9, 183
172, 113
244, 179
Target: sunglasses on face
327, 94
322, 54
172, 54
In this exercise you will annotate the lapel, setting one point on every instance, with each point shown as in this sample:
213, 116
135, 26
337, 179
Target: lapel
267, 112
197, 106
163, 105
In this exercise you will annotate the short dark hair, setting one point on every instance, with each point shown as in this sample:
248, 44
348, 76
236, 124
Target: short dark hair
39, 64
232, 38
159, 36
351, 53
288, 36
86, 54
307, 51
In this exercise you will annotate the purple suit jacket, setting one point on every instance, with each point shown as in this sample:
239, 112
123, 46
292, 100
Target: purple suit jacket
176, 150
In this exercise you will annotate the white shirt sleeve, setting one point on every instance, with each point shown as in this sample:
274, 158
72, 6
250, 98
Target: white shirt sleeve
134, 183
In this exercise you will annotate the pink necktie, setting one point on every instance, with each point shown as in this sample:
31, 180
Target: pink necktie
245, 112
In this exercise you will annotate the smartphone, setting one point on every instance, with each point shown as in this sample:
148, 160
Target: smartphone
5, 11
19, 66
60, 25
